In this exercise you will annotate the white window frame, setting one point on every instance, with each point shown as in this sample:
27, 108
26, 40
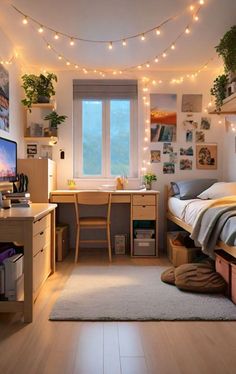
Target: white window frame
78, 144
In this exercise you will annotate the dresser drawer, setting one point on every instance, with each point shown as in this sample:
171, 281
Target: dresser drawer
144, 199
41, 224
144, 212
41, 239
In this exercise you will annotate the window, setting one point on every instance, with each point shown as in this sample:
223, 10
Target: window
105, 135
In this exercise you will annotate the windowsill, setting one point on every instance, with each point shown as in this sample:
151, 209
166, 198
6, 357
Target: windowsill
95, 183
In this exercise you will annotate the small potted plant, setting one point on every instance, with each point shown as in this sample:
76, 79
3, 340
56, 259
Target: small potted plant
219, 90
149, 178
55, 120
38, 88
227, 50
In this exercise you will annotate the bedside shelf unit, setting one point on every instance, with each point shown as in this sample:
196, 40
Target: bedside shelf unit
35, 124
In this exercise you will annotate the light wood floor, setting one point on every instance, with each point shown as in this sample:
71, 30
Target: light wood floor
45, 347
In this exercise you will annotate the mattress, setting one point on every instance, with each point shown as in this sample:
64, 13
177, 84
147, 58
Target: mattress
187, 210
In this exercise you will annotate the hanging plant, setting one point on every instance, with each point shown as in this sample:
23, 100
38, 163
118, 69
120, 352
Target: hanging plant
219, 90
227, 50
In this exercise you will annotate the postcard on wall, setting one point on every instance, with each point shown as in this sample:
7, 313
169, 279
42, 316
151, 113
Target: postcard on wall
155, 156
206, 156
163, 117
205, 123
186, 151
4, 99
32, 150
168, 168
200, 137
173, 157
190, 124
192, 103
189, 136
186, 164
167, 148
46, 151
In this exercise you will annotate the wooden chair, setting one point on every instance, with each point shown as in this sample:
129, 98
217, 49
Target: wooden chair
103, 223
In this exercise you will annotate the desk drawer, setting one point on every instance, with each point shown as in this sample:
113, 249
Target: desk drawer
144, 212
41, 239
41, 224
62, 198
144, 199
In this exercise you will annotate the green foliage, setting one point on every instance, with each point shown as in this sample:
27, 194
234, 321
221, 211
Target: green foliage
219, 90
227, 49
55, 119
36, 86
150, 177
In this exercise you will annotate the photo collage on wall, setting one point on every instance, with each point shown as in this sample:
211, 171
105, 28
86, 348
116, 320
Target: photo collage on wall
163, 122
4, 99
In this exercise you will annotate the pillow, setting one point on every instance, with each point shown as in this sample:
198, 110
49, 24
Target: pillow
218, 190
190, 189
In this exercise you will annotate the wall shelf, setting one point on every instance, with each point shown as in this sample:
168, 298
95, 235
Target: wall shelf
228, 107
51, 105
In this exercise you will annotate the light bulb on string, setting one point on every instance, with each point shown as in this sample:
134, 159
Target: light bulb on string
173, 46
158, 31
124, 43
139, 67
147, 65
164, 54
40, 29
25, 20
143, 37
72, 42
56, 36
156, 60
76, 66
59, 57
196, 18
191, 7
187, 30
49, 47
201, 2
110, 46
68, 63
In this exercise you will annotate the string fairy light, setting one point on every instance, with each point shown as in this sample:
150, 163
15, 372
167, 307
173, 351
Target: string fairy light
123, 41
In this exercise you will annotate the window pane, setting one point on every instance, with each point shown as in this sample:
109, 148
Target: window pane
120, 137
92, 137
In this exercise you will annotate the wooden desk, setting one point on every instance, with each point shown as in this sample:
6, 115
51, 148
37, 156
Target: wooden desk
143, 206
31, 227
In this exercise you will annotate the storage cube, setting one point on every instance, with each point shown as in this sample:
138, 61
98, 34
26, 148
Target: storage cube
179, 254
223, 267
233, 283
144, 247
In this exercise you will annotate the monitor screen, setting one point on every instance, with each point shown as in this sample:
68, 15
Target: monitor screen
8, 160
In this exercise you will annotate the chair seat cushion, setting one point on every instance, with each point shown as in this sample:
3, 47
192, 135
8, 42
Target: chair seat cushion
199, 277
93, 221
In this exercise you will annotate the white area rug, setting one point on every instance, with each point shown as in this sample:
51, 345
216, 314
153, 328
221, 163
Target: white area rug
133, 293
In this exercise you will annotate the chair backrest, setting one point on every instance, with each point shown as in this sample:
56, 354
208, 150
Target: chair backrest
92, 198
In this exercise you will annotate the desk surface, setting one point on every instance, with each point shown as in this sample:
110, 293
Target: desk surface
113, 192
34, 212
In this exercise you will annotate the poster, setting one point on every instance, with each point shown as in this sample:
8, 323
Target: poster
4, 99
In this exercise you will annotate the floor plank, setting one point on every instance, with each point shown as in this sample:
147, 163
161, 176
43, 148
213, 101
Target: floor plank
44, 347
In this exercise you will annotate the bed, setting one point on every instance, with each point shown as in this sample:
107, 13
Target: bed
185, 214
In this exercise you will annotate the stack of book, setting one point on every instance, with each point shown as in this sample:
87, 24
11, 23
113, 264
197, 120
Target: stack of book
19, 199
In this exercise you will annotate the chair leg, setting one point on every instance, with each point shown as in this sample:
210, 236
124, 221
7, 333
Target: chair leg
77, 244
109, 242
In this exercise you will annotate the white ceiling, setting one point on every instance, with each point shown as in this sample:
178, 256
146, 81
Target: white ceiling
111, 19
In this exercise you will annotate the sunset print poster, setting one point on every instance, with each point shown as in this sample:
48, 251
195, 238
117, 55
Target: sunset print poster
163, 117
4, 99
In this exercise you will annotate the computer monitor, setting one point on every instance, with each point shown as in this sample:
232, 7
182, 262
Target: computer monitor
8, 160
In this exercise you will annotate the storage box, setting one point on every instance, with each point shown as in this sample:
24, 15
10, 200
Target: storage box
144, 233
120, 244
62, 242
233, 283
224, 263
179, 254
144, 247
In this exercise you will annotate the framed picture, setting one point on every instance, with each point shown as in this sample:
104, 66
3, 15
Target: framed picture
163, 117
173, 157
155, 156
4, 99
32, 150
189, 136
192, 103
206, 156
167, 148
46, 151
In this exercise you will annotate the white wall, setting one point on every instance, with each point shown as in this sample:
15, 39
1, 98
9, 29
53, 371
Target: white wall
64, 97
229, 150
16, 128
